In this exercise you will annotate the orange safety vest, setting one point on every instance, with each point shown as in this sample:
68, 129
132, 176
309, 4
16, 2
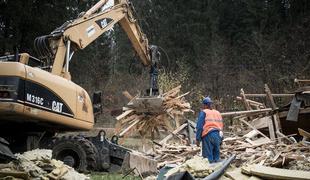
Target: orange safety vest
213, 120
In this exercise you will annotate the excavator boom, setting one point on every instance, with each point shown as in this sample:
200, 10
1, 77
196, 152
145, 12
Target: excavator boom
36, 102
79, 33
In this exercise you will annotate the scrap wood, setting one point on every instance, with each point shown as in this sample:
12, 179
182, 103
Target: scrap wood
128, 95
250, 112
267, 153
253, 127
174, 153
305, 134
148, 123
275, 173
236, 174
252, 103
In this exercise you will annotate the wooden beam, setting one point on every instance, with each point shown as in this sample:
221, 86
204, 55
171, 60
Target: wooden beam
276, 173
273, 95
236, 113
276, 119
245, 102
272, 134
128, 95
126, 113
251, 101
269, 97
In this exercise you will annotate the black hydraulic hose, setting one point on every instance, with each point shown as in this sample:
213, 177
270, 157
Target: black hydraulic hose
217, 174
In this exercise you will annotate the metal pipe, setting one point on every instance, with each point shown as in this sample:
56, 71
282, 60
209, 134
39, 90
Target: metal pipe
68, 56
71, 55
97, 6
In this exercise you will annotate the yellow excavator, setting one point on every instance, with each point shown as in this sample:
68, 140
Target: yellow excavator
38, 98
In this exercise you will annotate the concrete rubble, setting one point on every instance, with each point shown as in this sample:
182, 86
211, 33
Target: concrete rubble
38, 164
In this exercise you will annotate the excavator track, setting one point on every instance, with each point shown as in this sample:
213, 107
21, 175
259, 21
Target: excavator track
76, 152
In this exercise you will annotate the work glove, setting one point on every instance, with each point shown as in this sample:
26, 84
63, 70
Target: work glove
221, 134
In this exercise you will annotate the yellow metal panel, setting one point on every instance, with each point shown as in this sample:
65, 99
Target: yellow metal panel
12, 69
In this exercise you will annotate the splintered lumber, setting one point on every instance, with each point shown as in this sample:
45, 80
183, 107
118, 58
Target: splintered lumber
148, 115
276, 173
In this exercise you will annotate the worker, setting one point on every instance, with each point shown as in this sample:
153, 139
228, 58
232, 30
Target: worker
209, 131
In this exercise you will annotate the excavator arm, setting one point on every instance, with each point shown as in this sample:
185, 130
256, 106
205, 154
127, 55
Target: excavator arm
82, 31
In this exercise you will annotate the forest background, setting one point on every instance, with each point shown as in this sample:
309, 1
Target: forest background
210, 47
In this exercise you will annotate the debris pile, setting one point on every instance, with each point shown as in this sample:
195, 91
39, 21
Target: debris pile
38, 164
173, 153
269, 153
162, 113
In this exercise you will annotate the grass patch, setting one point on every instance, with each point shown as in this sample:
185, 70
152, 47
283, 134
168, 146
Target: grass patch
112, 176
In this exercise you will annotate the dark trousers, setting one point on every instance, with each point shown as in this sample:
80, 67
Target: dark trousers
211, 146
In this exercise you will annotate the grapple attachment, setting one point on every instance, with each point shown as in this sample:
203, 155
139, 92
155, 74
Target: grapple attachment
147, 104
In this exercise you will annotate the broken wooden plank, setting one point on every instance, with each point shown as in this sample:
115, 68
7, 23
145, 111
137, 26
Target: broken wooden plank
304, 133
237, 175
127, 95
126, 113
251, 102
128, 128
277, 173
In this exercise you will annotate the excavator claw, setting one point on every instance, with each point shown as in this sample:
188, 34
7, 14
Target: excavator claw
152, 103
147, 104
